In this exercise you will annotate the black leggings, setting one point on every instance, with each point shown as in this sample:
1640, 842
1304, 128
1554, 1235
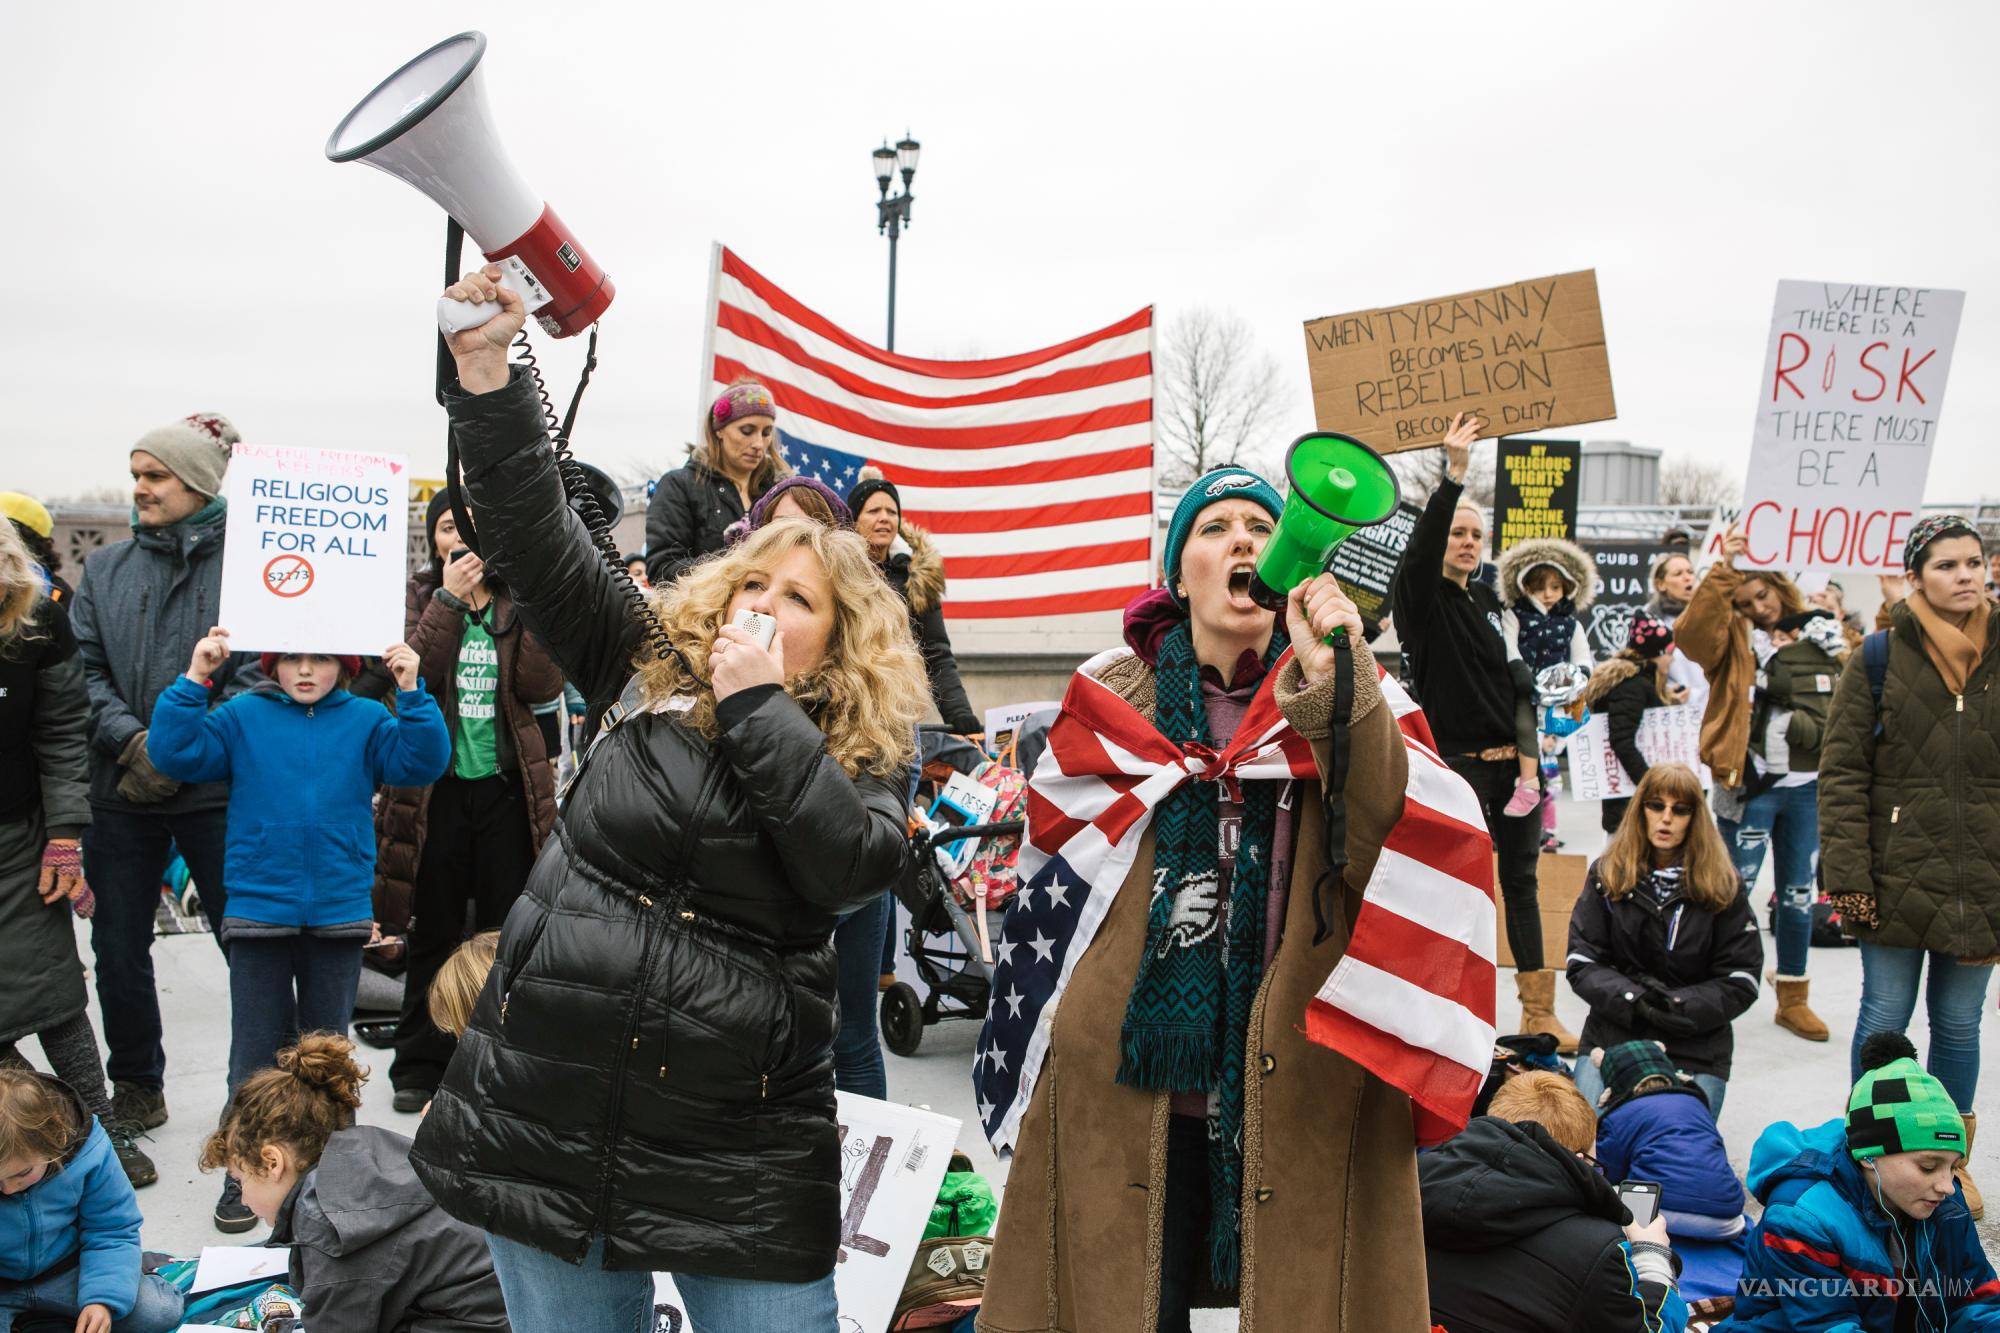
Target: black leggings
71, 1050
1519, 844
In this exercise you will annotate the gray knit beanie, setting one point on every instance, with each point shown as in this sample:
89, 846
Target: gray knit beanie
195, 449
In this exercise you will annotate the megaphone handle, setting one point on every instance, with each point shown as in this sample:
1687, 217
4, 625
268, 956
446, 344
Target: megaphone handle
458, 316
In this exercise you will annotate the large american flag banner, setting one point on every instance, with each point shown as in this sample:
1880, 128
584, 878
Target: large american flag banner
1033, 473
1411, 1000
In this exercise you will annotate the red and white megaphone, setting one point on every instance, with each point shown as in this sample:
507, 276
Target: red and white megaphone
427, 124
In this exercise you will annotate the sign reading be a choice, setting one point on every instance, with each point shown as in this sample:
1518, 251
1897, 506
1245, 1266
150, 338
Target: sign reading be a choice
1527, 356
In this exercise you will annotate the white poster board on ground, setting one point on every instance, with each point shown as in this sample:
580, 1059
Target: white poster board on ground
1670, 735
892, 1163
317, 550
1847, 417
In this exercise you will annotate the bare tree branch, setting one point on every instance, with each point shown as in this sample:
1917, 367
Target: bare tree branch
1420, 471
1217, 397
1688, 481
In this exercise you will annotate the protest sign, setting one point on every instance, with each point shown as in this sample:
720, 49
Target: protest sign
1366, 562
1624, 585
1004, 721
1536, 486
1847, 416
1670, 735
314, 558
1526, 356
892, 1161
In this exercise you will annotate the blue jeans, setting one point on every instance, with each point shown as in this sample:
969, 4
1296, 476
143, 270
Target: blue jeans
282, 987
1954, 995
158, 1309
1786, 818
1590, 1082
546, 1295
857, 1049
124, 855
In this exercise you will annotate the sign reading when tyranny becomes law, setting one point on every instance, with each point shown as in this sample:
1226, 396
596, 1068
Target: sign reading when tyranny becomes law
1847, 417
1528, 356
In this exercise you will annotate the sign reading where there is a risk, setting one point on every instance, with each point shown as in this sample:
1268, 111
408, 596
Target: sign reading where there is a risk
1528, 356
1847, 418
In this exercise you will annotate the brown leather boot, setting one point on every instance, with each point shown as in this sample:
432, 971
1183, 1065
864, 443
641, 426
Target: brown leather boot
1965, 1185
1538, 1008
1794, 1014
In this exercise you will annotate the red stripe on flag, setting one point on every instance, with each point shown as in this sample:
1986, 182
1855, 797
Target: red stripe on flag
1048, 827
753, 328
1059, 604
1427, 960
1022, 474
794, 399
792, 310
1044, 562
1441, 1091
1443, 844
1041, 516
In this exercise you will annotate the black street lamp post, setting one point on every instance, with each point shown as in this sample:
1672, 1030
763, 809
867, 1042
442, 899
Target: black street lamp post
893, 214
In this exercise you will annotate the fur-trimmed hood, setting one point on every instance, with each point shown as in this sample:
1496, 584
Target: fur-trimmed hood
1610, 674
917, 568
1569, 560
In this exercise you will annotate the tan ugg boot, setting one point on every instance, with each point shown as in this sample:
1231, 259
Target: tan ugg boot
1965, 1185
1794, 1014
1538, 1008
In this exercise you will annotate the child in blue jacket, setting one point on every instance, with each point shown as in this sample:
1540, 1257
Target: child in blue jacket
303, 758
1864, 1230
69, 1222
1654, 1124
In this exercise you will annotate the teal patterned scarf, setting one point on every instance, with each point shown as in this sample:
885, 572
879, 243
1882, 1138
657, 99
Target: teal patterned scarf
1189, 1013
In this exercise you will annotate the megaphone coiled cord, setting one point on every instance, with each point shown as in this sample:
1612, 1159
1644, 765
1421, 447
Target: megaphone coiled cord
577, 487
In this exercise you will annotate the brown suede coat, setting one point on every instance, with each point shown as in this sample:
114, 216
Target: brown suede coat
1332, 1233
1717, 640
528, 676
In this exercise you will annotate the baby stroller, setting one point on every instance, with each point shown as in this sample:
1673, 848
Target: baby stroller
956, 901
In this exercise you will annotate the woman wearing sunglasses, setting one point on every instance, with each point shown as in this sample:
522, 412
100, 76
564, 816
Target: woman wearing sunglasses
1663, 945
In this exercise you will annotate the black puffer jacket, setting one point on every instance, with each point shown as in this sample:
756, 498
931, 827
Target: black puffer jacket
691, 508
1521, 1235
1707, 963
651, 1057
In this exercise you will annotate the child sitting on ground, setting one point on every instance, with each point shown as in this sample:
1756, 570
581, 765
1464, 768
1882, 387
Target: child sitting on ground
1864, 1228
1654, 1124
303, 758
69, 1222
1522, 1234
1545, 582
369, 1249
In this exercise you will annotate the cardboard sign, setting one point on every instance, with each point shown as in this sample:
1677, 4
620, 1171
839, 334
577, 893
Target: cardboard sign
1536, 487
1667, 735
314, 560
1366, 562
1847, 416
892, 1162
1003, 722
1559, 879
1624, 586
1527, 356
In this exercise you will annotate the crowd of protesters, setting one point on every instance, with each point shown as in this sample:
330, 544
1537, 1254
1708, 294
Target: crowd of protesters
714, 891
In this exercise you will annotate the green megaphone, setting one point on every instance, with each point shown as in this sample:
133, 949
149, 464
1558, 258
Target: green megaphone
1339, 486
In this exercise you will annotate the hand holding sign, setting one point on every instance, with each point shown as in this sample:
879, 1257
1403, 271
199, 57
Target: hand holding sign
1458, 444
401, 659
209, 655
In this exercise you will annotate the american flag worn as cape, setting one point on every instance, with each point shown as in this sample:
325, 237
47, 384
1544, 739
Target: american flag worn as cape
1412, 999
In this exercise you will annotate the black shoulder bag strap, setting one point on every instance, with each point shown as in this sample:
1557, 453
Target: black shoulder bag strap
1333, 789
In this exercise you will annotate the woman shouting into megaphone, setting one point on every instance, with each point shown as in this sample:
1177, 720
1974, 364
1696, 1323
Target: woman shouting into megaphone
1178, 1140
647, 1081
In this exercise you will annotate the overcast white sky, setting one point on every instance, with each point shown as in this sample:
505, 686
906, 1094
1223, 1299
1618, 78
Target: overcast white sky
178, 242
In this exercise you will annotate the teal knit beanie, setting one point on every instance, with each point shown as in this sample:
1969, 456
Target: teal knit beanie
1223, 483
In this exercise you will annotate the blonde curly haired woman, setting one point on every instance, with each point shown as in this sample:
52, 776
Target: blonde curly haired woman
647, 1081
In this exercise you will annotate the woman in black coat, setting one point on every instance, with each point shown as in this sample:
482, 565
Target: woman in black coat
915, 568
1622, 688
647, 1081
1662, 943
737, 461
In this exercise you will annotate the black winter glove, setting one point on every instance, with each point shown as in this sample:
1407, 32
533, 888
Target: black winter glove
141, 783
1658, 1014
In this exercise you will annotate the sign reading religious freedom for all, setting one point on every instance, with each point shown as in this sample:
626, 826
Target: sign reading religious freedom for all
1527, 356
1847, 414
316, 554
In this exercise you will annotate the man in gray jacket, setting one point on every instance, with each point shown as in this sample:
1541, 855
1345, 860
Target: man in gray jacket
143, 605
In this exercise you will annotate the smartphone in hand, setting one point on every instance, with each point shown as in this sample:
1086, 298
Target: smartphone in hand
1642, 1199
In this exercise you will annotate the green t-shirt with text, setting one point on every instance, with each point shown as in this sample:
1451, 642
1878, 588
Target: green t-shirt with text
476, 685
